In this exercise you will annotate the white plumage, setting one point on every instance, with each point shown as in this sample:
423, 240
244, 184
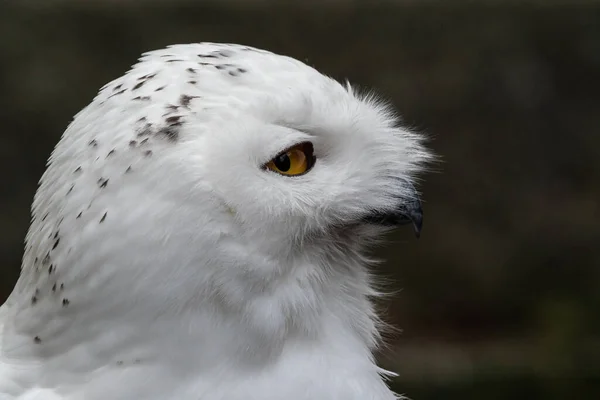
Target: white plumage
164, 261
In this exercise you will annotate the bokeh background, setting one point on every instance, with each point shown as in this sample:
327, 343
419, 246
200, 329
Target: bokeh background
500, 298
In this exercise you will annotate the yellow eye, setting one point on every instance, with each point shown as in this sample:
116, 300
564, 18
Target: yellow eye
294, 161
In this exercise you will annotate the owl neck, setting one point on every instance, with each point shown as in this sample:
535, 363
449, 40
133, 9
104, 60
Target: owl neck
252, 320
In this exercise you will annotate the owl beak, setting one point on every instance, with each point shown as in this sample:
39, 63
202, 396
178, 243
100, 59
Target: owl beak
409, 211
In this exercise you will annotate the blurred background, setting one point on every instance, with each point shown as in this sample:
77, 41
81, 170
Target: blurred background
500, 297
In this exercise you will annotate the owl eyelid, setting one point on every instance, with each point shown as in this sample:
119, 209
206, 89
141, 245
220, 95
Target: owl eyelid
311, 159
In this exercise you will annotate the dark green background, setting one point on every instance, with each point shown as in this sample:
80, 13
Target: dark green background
500, 298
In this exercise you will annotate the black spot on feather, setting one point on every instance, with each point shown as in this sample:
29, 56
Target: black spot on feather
146, 77
173, 120
170, 132
117, 93
185, 99
146, 130
138, 85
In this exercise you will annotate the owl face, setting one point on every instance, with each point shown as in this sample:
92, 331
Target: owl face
282, 152
345, 165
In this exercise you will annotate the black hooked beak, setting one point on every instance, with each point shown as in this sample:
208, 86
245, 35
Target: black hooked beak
409, 210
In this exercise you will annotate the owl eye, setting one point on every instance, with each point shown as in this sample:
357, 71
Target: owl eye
296, 160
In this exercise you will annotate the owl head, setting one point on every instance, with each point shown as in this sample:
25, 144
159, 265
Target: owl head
215, 194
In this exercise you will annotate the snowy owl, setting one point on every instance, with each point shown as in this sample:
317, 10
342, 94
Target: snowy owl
201, 233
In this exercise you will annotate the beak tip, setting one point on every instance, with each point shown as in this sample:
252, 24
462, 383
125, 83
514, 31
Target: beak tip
418, 225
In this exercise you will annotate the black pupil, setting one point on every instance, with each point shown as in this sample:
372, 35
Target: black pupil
282, 162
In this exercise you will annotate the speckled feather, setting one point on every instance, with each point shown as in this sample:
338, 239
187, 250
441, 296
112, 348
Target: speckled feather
163, 261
